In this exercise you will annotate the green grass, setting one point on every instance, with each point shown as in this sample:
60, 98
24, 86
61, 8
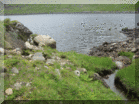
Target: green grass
64, 8
46, 84
127, 76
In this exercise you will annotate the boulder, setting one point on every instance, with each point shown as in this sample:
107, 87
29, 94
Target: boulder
42, 40
9, 91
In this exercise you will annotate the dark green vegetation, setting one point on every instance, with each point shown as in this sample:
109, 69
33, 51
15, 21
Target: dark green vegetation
64, 8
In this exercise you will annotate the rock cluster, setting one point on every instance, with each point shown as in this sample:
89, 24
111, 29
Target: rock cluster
112, 49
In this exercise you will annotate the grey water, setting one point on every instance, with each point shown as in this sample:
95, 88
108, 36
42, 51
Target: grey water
110, 82
80, 32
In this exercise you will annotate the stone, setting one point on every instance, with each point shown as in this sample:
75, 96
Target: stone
38, 56
68, 68
135, 57
10, 56
123, 59
50, 61
28, 45
133, 49
28, 84
1, 51
82, 70
19, 98
119, 64
45, 40
17, 86
18, 49
113, 44
9, 91
77, 72
57, 71
41, 44
46, 66
15, 70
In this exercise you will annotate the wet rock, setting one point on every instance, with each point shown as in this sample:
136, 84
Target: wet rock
9, 91
50, 61
38, 56
15, 70
77, 72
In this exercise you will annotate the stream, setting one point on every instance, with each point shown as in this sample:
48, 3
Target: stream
110, 82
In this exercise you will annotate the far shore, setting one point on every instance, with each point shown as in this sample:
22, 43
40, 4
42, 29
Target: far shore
84, 12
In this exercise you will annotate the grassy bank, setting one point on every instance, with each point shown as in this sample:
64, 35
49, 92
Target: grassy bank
64, 8
128, 77
47, 85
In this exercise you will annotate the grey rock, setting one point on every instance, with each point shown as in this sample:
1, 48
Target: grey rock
119, 64
17, 86
15, 70
57, 71
82, 70
77, 72
50, 61
38, 56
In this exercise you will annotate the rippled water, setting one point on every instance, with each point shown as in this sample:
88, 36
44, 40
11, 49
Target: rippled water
78, 32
